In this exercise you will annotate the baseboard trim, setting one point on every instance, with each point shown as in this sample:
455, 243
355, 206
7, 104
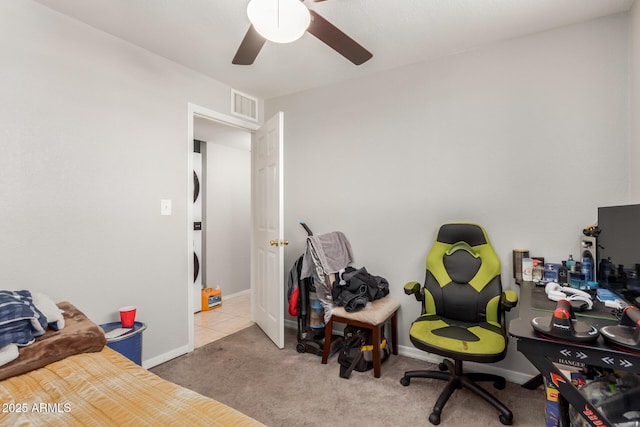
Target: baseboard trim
172, 354
165, 357
511, 376
291, 324
237, 294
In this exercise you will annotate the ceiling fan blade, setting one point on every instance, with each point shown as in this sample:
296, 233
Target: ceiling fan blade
249, 48
337, 40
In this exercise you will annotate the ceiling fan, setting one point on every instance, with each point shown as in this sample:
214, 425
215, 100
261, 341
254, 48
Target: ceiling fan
319, 27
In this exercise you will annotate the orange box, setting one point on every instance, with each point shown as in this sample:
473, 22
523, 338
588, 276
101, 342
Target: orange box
211, 298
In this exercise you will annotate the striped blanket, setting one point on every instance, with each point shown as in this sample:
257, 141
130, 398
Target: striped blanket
20, 321
106, 389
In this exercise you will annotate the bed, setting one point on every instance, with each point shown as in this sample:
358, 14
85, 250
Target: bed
70, 378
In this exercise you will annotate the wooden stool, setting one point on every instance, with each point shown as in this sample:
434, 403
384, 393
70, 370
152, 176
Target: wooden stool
373, 317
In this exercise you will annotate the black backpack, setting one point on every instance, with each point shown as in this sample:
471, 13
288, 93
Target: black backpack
357, 351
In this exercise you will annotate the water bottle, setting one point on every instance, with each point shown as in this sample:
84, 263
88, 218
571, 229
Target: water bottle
587, 268
316, 318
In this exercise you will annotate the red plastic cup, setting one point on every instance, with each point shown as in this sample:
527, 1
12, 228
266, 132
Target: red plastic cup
127, 316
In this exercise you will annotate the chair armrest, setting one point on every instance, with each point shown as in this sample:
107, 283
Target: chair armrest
509, 299
413, 288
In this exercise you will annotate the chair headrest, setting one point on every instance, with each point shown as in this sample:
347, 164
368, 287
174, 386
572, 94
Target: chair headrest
472, 234
471, 237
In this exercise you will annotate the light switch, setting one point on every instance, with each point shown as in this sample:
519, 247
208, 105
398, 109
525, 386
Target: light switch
165, 207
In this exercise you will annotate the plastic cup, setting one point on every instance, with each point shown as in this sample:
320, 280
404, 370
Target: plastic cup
127, 316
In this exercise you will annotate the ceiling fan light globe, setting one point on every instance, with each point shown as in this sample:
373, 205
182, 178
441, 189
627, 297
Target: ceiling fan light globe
279, 21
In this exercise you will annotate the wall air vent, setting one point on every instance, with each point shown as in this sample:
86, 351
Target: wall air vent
244, 105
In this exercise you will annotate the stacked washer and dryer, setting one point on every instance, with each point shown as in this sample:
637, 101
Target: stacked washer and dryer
198, 265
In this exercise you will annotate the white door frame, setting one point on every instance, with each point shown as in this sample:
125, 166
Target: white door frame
205, 113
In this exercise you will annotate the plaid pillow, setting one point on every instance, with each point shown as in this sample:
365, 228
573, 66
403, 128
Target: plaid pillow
17, 332
20, 320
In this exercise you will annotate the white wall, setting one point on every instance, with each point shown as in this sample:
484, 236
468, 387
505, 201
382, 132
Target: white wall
93, 134
634, 95
526, 137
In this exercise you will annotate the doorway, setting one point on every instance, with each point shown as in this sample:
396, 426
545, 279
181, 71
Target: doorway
225, 226
225, 254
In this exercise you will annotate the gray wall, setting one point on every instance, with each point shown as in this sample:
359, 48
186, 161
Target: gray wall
634, 122
93, 134
526, 137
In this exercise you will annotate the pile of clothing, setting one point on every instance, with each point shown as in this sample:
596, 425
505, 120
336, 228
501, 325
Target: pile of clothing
357, 287
24, 317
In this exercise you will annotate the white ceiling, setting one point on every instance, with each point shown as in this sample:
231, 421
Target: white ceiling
205, 34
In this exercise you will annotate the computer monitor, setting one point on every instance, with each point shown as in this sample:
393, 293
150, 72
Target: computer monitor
619, 236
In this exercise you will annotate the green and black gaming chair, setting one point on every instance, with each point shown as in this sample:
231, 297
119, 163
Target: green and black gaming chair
462, 318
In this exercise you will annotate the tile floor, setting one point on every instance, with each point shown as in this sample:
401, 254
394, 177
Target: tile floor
232, 316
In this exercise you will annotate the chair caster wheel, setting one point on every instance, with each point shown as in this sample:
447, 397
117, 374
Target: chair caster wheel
500, 385
434, 418
442, 366
300, 348
506, 420
405, 381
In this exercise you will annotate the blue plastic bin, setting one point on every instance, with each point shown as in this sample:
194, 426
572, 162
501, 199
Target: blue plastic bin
129, 344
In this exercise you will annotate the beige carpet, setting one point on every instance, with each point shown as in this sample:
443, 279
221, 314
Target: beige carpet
285, 388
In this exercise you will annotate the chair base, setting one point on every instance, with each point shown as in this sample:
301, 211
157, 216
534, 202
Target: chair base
457, 379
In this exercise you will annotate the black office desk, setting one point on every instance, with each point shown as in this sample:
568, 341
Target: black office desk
543, 352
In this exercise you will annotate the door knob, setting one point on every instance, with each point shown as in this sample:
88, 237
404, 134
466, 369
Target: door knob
278, 243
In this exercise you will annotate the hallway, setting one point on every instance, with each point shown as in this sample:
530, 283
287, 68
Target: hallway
232, 316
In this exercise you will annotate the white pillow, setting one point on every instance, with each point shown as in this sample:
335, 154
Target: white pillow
49, 309
8, 353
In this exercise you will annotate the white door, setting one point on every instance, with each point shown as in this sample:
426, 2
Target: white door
267, 260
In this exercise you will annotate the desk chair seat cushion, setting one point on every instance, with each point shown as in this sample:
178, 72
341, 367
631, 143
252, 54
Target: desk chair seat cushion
479, 342
375, 313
